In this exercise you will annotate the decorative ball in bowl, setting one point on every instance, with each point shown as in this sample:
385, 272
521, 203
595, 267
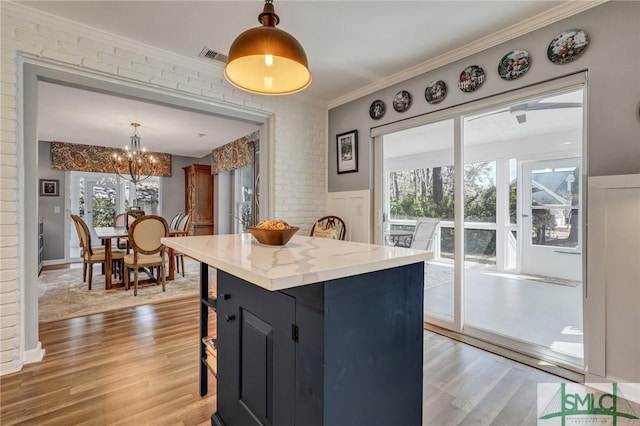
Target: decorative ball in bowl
273, 232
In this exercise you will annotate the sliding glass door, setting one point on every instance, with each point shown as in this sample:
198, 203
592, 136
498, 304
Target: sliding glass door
419, 184
530, 214
504, 183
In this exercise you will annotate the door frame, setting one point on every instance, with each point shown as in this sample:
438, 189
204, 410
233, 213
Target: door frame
563, 84
30, 71
527, 249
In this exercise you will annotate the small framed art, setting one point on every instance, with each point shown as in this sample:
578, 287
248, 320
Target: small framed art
347, 151
49, 187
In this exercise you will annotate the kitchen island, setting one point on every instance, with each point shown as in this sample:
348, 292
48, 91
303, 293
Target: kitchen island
317, 332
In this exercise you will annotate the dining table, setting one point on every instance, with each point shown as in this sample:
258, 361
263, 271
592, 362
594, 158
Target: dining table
400, 238
106, 234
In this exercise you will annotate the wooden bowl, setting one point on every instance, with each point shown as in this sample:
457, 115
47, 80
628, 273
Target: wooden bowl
273, 237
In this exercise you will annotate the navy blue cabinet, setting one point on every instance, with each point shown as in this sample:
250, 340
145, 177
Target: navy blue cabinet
256, 377
341, 352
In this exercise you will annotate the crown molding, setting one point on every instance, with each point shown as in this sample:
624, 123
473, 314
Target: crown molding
83, 30
562, 11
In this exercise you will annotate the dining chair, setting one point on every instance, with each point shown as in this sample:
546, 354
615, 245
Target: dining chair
122, 220
180, 229
92, 255
173, 223
331, 227
94, 248
148, 251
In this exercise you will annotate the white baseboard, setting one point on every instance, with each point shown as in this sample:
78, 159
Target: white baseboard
10, 367
54, 262
34, 355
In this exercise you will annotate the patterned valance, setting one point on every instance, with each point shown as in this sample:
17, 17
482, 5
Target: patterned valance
89, 158
234, 155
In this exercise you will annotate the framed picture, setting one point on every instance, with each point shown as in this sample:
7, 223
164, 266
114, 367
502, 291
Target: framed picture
347, 152
50, 187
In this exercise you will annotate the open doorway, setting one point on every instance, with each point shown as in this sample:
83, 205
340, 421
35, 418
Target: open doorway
33, 72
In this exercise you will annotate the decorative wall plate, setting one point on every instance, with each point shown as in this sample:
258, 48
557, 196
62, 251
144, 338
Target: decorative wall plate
471, 78
514, 64
377, 109
435, 91
567, 46
402, 101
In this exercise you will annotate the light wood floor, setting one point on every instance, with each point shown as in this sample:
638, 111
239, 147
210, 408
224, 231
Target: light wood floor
138, 366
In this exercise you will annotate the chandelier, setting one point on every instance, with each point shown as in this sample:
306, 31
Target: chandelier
136, 163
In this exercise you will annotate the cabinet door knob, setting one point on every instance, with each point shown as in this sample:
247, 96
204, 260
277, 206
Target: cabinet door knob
231, 317
225, 296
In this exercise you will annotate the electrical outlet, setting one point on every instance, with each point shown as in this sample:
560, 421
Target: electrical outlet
56, 209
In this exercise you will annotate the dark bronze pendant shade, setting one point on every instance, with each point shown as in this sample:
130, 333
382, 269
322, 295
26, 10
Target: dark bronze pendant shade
267, 60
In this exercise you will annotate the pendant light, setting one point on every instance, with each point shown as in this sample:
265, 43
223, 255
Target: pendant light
267, 60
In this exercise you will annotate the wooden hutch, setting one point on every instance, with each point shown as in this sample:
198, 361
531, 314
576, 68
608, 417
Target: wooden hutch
198, 193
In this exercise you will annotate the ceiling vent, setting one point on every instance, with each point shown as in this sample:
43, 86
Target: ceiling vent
213, 55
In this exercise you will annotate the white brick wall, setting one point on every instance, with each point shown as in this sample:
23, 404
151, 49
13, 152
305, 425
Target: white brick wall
299, 170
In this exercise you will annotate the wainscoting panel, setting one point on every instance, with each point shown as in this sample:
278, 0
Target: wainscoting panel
613, 279
354, 207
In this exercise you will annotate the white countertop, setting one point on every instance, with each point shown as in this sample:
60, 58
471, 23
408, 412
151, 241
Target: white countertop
304, 260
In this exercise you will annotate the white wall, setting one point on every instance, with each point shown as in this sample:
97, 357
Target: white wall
297, 143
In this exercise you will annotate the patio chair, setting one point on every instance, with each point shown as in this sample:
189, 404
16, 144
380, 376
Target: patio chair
148, 251
424, 233
329, 227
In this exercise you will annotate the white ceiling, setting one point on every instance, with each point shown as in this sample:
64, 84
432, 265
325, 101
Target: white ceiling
67, 114
350, 45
